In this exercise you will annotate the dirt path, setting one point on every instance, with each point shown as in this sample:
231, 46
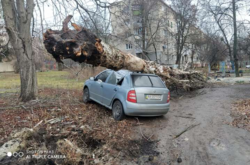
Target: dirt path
213, 141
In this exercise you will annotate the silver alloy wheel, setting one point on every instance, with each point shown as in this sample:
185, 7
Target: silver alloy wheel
117, 111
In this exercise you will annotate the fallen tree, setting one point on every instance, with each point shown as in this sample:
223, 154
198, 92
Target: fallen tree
81, 45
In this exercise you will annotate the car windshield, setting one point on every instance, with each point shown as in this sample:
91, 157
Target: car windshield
147, 81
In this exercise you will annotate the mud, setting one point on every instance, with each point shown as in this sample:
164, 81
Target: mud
214, 141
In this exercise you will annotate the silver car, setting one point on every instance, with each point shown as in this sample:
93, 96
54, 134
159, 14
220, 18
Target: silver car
128, 93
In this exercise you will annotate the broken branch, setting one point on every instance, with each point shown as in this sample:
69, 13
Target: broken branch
185, 130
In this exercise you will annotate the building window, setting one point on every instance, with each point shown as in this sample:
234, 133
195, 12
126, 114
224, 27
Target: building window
125, 10
128, 46
137, 19
171, 24
138, 31
136, 9
164, 47
127, 34
165, 33
163, 8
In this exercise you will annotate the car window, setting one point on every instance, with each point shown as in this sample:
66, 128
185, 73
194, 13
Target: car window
119, 78
125, 81
147, 81
112, 79
141, 81
103, 76
156, 81
120, 81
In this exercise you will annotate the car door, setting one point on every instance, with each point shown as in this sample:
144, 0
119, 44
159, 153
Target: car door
109, 89
97, 86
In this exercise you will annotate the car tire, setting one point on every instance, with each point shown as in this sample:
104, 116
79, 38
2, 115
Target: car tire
86, 98
117, 111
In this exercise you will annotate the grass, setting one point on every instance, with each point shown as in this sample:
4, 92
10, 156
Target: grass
59, 79
10, 82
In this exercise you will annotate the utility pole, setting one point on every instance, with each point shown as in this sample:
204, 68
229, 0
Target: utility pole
235, 40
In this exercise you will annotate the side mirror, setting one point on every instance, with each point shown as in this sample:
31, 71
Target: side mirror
92, 78
100, 81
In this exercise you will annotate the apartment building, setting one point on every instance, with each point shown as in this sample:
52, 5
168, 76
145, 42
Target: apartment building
5, 64
147, 29
3, 33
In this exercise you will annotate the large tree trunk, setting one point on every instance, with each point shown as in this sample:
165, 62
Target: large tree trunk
17, 16
82, 46
27, 76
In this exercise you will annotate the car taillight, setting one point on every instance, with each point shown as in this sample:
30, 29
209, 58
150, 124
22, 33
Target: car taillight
131, 96
168, 97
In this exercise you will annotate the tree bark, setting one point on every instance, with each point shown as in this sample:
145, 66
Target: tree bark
84, 46
17, 16
60, 66
235, 41
192, 59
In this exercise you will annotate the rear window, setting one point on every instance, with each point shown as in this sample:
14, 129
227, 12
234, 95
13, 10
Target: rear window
147, 81
156, 82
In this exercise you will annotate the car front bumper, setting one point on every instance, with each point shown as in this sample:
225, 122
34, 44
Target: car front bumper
136, 109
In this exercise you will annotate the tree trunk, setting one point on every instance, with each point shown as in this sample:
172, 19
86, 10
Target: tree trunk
235, 41
178, 60
17, 16
83, 46
28, 77
230, 56
60, 66
192, 59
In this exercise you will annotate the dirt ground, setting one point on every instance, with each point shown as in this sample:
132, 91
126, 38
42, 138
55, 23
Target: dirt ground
84, 134
213, 141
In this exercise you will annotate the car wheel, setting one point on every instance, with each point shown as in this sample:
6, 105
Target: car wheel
117, 110
86, 98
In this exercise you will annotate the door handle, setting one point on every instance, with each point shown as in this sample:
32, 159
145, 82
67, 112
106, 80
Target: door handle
115, 89
101, 85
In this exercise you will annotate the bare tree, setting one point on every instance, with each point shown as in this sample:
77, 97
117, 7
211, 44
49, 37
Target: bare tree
143, 23
185, 19
224, 15
195, 44
244, 46
216, 50
17, 16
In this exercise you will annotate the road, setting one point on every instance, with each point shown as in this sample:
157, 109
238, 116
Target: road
214, 141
